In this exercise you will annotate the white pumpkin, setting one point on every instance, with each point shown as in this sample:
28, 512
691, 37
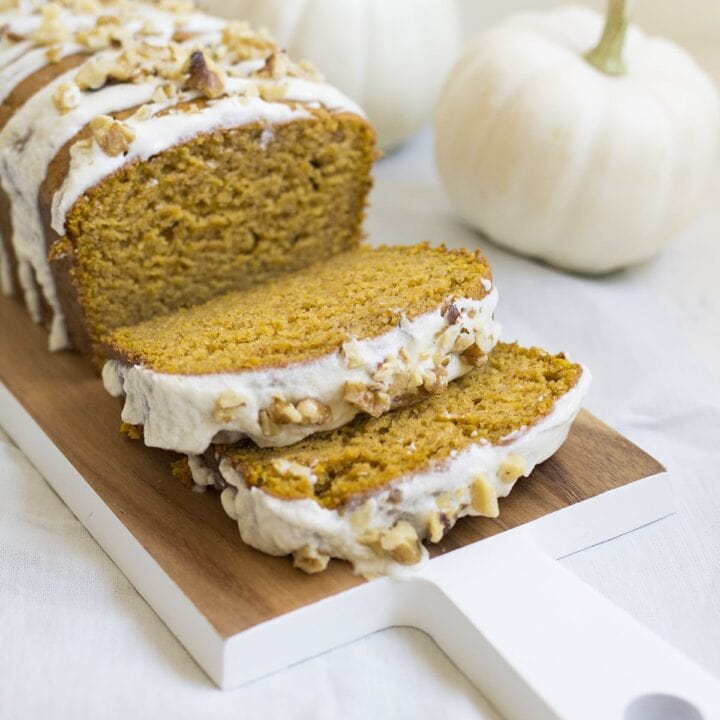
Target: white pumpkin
575, 157
390, 56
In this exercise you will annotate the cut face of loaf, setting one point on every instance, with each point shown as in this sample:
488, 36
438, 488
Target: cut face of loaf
368, 331
371, 491
162, 157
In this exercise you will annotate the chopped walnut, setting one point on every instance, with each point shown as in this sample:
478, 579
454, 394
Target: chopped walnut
512, 468
435, 380
373, 402
483, 497
276, 67
165, 92
452, 314
112, 136
284, 413
66, 97
245, 44
473, 355
54, 54
401, 543
447, 338
227, 406
436, 528
360, 517
313, 412
267, 426
178, 7
352, 352
463, 341
310, 560
52, 29
309, 71
272, 93
94, 75
205, 76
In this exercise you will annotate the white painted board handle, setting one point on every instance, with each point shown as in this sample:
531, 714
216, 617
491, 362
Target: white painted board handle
540, 643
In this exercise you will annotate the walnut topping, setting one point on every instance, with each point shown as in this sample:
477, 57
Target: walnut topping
360, 517
313, 412
205, 76
435, 380
373, 402
244, 44
276, 67
66, 97
227, 406
93, 75
52, 29
112, 136
282, 412
272, 93
308, 411
54, 54
164, 93
310, 560
436, 529
483, 497
401, 543
309, 71
177, 7
473, 355
512, 468
267, 426
463, 341
447, 338
452, 314
352, 352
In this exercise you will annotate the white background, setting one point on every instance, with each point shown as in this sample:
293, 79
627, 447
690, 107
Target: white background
77, 641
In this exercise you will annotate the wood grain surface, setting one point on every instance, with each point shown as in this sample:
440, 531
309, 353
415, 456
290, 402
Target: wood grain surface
188, 533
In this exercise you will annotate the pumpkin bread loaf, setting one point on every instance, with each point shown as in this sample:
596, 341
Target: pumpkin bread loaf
368, 330
152, 158
369, 492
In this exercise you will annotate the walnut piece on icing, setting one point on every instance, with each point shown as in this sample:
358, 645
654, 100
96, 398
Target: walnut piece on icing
52, 29
373, 402
227, 406
204, 76
400, 543
512, 468
66, 97
474, 355
245, 44
112, 136
310, 560
483, 497
277, 66
282, 412
313, 412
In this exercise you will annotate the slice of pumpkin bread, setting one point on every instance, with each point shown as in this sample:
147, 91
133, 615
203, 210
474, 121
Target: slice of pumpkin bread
368, 330
371, 491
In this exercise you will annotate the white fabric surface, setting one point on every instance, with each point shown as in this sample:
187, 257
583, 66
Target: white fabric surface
77, 641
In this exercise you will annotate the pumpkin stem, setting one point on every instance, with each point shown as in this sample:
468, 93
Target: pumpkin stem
607, 56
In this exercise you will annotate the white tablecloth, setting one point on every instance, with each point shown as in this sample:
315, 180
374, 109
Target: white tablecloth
77, 641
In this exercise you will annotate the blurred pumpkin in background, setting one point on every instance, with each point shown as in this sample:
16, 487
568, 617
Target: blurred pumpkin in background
588, 155
390, 56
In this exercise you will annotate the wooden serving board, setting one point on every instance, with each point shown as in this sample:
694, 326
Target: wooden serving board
225, 601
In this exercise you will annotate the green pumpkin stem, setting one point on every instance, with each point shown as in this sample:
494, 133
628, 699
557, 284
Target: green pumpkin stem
607, 56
